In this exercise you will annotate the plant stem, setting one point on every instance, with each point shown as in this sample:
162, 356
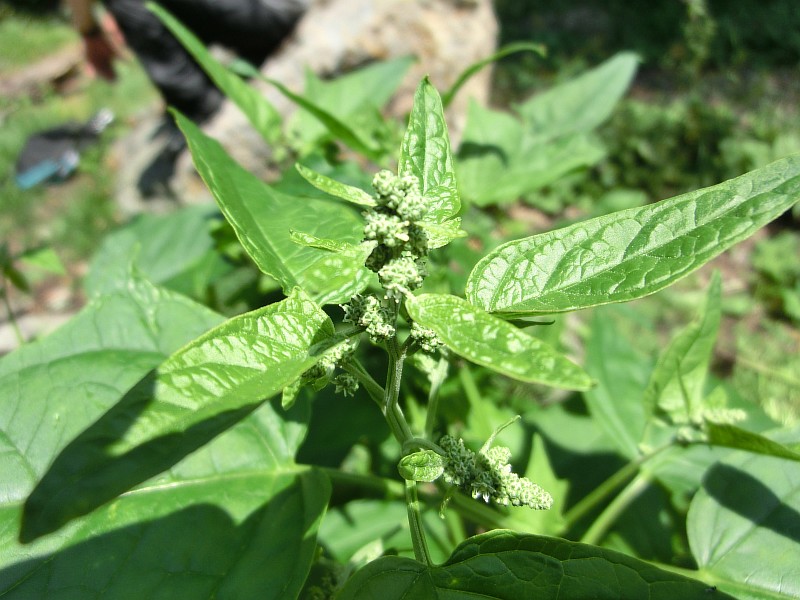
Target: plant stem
380, 487
375, 391
11, 318
605, 489
421, 552
617, 506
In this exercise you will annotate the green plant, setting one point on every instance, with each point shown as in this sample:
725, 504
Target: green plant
314, 448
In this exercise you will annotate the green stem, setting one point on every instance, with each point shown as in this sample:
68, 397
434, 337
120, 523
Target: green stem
596, 496
617, 506
421, 552
11, 318
433, 398
368, 484
375, 391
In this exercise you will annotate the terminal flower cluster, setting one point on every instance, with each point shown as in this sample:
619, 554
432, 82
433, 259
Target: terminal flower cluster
487, 475
402, 244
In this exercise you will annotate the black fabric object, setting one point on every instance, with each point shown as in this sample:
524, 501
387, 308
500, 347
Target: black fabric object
53, 154
253, 29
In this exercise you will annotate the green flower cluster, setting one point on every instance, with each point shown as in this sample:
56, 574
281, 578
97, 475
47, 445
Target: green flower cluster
487, 475
402, 244
322, 373
426, 338
370, 313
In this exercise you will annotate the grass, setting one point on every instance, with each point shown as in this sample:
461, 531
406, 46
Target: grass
72, 217
24, 38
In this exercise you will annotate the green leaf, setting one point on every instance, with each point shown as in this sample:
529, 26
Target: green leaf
744, 527
263, 116
504, 565
52, 388
621, 373
731, 436
45, 259
475, 67
263, 218
582, 104
676, 387
174, 250
425, 465
441, 234
335, 188
338, 128
146, 543
197, 393
634, 252
355, 98
426, 154
491, 342
500, 161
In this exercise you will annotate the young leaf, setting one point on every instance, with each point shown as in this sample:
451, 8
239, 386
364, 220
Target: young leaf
198, 392
504, 565
263, 218
631, 253
335, 188
676, 385
425, 465
491, 342
263, 116
582, 104
425, 153
744, 527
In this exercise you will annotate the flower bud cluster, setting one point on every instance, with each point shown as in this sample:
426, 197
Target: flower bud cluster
402, 245
322, 373
345, 384
426, 338
488, 476
370, 313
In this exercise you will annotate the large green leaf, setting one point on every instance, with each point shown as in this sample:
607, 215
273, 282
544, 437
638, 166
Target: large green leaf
582, 104
621, 373
744, 527
504, 565
634, 252
263, 219
499, 160
491, 342
206, 527
731, 436
263, 116
174, 250
51, 389
426, 154
200, 391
